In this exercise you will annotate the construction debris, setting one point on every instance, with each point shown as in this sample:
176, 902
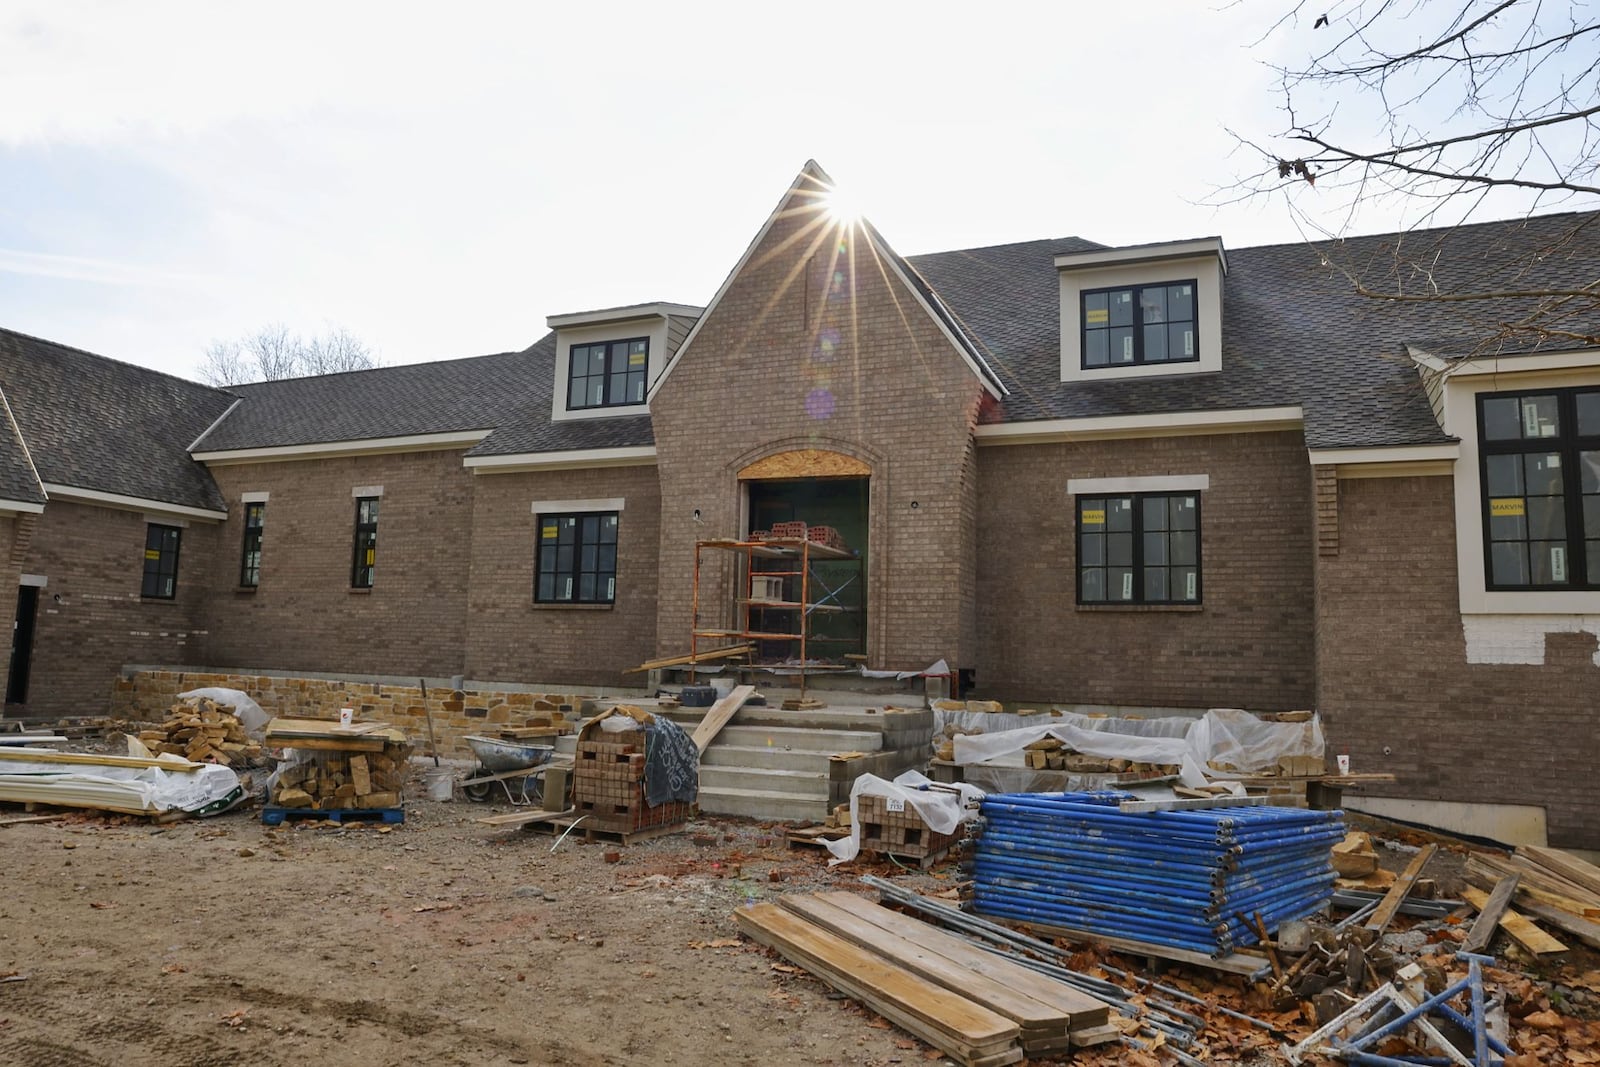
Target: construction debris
203, 731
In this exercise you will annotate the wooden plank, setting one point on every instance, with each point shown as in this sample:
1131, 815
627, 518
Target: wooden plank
1025, 1011
88, 760
1397, 893
1235, 962
32, 818
1082, 1009
719, 714
523, 818
1190, 804
1580, 873
679, 661
1490, 908
1521, 930
945, 1020
1576, 927
1562, 893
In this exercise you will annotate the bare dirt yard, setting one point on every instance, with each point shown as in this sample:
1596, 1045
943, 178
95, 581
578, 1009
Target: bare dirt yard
220, 942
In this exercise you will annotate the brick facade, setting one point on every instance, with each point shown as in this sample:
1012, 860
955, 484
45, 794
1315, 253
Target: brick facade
10, 570
1392, 671
816, 347
1248, 645
304, 615
509, 636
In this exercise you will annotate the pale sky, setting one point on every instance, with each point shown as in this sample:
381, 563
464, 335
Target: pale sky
439, 178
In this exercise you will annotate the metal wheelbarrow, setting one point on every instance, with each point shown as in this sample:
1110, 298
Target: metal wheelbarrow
504, 762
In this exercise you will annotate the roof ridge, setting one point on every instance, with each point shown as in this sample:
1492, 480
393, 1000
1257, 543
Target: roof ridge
387, 367
1423, 231
1006, 244
113, 359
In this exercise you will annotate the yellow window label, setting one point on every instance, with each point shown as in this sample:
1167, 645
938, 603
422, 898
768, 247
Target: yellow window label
1097, 317
1513, 505
152, 553
548, 533
1094, 517
636, 359
372, 556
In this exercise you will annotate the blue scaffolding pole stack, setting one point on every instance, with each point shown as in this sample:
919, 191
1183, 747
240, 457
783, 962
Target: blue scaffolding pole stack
1189, 879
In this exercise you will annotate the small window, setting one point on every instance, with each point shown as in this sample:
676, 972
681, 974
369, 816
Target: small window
1140, 548
161, 561
1540, 455
255, 516
1140, 325
577, 559
366, 552
607, 374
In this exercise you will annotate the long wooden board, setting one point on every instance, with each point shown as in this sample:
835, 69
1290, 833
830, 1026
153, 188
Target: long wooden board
686, 659
1082, 1009
1580, 873
957, 1027
1028, 1013
1536, 877
1522, 931
89, 760
1401, 889
719, 714
1491, 907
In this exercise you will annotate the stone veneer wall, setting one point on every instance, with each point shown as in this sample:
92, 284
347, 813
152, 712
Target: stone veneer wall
147, 693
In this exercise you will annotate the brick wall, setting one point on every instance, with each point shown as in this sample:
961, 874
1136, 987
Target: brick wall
1392, 671
10, 569
1250, 645
809, 349
512, 637
91, 617
146, 695
304, 616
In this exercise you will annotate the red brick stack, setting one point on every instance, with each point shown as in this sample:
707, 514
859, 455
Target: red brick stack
900, 833
608, 785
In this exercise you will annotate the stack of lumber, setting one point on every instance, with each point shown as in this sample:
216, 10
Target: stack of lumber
344, 781
1555, 889
203, 732
977, 1008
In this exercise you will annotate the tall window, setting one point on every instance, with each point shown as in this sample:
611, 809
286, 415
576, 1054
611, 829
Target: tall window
608, 374
1140, 324
1141, 548
255, 516
577, 559
366, 553
161, 561
1540, 451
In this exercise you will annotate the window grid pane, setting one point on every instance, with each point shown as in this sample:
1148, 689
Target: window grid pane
160, 580
1150, 324
250, 561
576, 559
364, 563
608, 374
1142, 548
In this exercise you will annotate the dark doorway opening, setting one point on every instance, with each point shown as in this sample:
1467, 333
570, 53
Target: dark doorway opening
839, 627
22, 644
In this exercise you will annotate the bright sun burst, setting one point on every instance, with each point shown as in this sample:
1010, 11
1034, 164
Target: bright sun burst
842, 207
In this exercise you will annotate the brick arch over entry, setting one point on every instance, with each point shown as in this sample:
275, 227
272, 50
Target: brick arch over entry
805, 463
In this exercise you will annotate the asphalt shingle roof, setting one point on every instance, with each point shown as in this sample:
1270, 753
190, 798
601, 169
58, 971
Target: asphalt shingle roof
1294, 331
94, 423
18, 482
529, 427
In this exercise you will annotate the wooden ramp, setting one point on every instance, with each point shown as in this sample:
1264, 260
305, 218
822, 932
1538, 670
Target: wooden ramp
932, 984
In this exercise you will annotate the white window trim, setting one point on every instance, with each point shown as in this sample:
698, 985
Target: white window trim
566, 507
652, 327
1207, 271
365, 491
163, 519
37, 581
253, 498
1461, 418
1164, 483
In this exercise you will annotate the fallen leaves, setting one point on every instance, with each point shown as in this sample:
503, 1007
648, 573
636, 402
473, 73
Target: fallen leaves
721, 942
237, 1019
101, 905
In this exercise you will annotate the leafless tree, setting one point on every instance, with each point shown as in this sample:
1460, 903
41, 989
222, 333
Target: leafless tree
1460, 110
274, 352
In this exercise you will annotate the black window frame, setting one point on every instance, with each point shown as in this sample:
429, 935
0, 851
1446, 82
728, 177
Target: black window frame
153, 576
1136, 325
614, 350
363, 571
255, 519
548, 543
1137, 565
1569, 444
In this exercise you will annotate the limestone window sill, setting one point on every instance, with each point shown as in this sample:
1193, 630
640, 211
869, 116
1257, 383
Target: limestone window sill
245, 589
541, 606
1137, 608
354, 591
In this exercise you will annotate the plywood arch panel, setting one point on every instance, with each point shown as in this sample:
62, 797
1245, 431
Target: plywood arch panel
805, 463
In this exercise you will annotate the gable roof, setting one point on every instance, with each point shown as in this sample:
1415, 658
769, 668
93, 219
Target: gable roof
98, 424
1294, 330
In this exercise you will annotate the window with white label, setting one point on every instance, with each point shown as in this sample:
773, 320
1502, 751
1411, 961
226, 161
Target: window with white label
1540, 479
1139, 548
577, 559
607, 374
1140, 325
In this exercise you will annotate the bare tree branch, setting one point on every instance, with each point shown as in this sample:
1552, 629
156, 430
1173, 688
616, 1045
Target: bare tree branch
273, 353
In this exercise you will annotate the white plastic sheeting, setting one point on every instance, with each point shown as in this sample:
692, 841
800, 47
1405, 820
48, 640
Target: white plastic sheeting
1223, 737
942, 807
131, 788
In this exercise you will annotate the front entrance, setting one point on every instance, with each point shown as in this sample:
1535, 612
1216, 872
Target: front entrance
837, 587
22, 644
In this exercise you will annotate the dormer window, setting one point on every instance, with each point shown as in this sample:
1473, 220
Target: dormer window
1139, 325
608, 373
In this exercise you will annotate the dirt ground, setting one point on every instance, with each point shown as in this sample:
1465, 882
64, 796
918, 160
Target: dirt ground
219, 942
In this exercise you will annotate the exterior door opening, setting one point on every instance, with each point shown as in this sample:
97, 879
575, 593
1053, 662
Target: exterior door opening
837, 588
22, 644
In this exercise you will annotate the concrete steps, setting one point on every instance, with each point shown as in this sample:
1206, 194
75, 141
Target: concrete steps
767, 804
765, 757
798, 739
799, 783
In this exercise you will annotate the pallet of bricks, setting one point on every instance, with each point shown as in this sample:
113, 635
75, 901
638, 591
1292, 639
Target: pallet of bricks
338, 775
608, 785
900, 833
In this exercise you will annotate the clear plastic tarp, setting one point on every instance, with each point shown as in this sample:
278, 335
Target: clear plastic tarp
942, 807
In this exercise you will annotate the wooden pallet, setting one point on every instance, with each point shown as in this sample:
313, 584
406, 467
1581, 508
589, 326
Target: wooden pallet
1237, 962
814, 836
275, 816
605, 833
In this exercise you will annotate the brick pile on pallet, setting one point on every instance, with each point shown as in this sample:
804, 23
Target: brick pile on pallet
345, 781
898, 833
608, 785
202, 732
